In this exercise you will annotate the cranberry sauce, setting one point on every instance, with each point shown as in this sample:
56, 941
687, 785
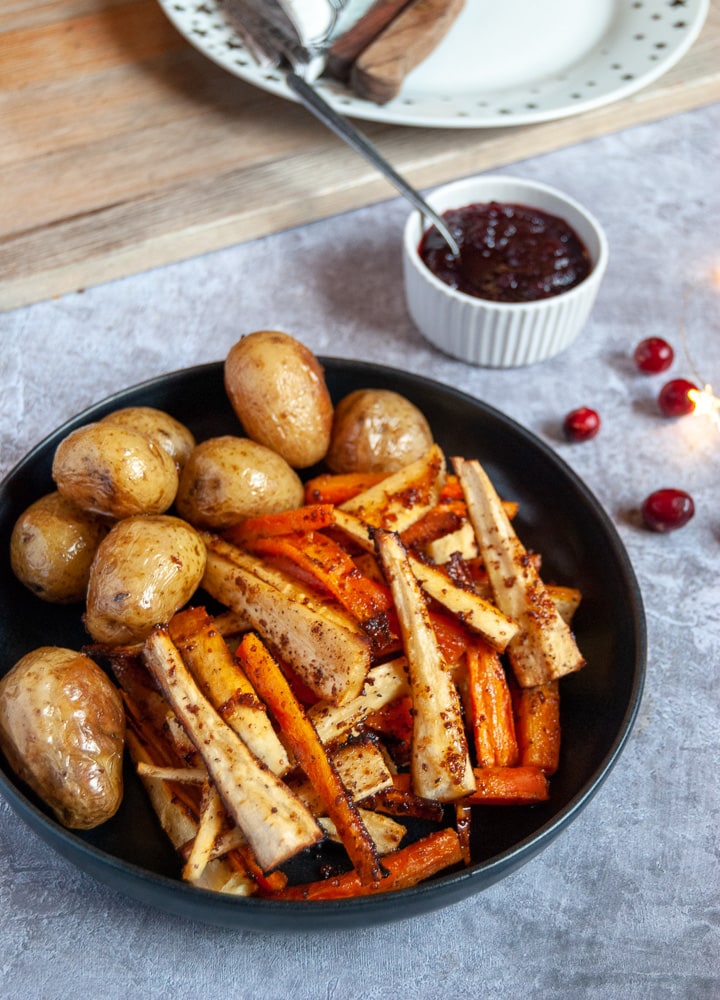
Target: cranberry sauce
508, 253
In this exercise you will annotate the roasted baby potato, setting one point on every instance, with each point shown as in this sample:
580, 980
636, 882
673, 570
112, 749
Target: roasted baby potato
52, 546
177, 440
62, 729
376, 430
110, 469
227, 479
145, 569
277, 388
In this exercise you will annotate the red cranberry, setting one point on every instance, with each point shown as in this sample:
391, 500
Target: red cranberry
667, 510
581, 424
653, 355
674, 398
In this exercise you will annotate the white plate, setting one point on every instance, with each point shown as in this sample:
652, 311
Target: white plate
512, 63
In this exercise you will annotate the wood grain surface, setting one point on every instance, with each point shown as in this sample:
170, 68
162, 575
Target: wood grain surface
122, 148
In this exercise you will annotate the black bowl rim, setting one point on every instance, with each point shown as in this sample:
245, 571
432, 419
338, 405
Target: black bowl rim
177, 897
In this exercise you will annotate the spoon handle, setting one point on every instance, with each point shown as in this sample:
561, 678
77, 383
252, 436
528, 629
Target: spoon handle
315, 103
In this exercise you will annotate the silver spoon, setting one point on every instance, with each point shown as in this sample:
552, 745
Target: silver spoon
275, 35
315, 103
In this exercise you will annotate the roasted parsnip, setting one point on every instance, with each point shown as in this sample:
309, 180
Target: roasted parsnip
176, 814
384, 683
221, 680
332, 659
474, 611
210, 826
441, 767
275, 822
544, 648
403, 497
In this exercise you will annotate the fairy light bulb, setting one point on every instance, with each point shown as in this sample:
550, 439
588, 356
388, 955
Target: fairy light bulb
706, 404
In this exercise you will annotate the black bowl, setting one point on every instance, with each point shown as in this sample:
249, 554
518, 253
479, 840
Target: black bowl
558, 516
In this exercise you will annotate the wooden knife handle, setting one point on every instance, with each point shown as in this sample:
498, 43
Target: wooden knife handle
345, 49
378, 72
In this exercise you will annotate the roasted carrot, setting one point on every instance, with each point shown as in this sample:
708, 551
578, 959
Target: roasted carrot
405, 804
266, 882
537, 724
394, 720
441, 520
509, 786
451, 635
394, 724
452, 490
270, 683
384, 633
400, 800
300, 520
406, 867
491, 708
402, 781
319, 560
339, 487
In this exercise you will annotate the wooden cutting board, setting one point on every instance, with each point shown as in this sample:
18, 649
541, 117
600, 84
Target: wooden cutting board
122, 148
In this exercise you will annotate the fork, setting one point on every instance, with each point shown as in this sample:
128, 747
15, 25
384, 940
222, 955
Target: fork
274, 36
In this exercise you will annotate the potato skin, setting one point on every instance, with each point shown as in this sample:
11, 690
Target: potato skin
227, 479
113, 470
177, 439
377, 430
62, 728
145, 569
277, 388
52, 546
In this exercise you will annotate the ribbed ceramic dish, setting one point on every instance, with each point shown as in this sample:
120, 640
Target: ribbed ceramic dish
558, 516
501, 334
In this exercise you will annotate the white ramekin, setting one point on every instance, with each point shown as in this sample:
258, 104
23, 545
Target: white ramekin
501, 334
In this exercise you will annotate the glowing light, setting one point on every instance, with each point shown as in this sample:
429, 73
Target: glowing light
706, 403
